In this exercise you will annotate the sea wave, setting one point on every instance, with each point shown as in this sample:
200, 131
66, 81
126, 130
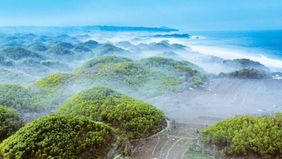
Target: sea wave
232, 53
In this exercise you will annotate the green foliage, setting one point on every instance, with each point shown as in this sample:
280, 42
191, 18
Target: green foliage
51, 90
56, 136
10, 122
103, 60
53, 82
244, 135
136, 118
168, 64
245, 64
158, 74
247, 74
17, 97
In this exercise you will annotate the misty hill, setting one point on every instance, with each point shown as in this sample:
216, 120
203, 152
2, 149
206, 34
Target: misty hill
37, 46
172, 36
99, 121
155, 73
60, 51
246, 74
11, 76
163, 45
159, 75
4, 61
18, 97
245, 64
65, 45
91, 44
84, 29
108, 49
18, 53
135, 118
127, 28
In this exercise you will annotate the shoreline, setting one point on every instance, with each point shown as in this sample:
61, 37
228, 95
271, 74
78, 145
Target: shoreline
234, 53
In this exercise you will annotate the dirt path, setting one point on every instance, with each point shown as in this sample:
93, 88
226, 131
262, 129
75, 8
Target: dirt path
170, 145
222, 98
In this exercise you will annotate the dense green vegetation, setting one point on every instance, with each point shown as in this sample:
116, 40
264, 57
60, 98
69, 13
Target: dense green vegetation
52, 90
56, 136
18, 97
136, 118
245, 64
53, 82
244, 135
158, 74
10, 122
247, 74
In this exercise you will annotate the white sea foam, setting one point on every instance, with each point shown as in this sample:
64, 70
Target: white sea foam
231, 53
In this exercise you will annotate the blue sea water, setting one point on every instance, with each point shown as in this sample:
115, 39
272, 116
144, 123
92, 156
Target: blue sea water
270, 42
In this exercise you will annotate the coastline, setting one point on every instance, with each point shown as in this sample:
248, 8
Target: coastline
233, 53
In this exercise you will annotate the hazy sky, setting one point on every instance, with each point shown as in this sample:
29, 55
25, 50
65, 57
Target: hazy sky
183, 14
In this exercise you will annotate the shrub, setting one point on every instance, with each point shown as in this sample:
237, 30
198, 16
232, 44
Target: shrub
56, 136
243, 135
52, 90
158, 74
246, 64
10, 122
247, 74
17, 97
136, 118
53, 82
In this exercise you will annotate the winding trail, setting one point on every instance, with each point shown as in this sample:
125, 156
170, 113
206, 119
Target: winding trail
172, 144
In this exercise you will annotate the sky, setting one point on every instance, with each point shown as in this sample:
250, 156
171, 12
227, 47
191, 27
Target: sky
182, 14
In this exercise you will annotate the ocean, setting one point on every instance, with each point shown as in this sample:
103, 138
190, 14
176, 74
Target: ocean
262, 46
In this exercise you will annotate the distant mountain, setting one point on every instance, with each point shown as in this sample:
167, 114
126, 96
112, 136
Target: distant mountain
129, 28
18, 53
172, 36
84, 29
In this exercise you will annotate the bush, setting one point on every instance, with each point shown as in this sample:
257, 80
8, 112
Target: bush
169, 64
243, 135
56, 136
53, 82
247, 74
246, 64
134, 117
10, 122
52, 90
158, 74
17, 97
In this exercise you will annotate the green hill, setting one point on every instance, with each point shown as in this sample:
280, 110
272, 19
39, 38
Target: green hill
247, 135
136, 118
17, 53
158, 74
245, 64
60, 137
247, 74
18, 97
10, 122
